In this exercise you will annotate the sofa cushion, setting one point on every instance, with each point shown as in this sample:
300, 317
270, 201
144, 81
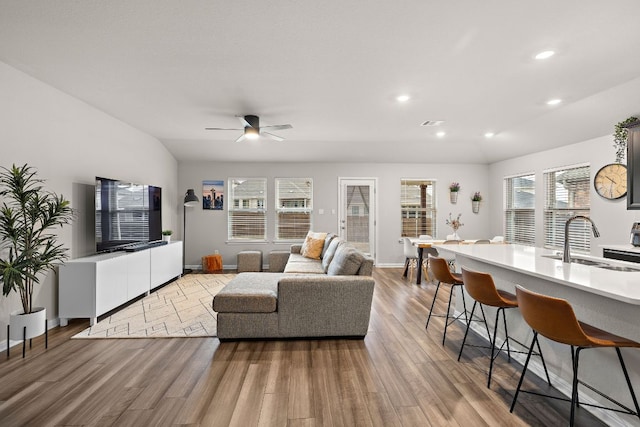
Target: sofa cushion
346, 261
313, 244
330, 253
327, 241
249, 293
304, 267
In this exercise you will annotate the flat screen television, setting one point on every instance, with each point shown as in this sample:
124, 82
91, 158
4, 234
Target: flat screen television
126, 213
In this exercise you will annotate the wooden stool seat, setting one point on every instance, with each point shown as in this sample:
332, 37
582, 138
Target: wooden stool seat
212, 263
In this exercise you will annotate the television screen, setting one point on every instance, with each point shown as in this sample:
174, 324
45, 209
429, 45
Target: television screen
126, 213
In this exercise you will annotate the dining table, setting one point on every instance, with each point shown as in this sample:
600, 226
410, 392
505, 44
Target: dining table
424, 244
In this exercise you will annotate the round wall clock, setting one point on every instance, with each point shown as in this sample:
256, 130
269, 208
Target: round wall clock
611, 181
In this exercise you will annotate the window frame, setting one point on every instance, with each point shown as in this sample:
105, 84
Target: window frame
307, 209
424, 213
247, 206
554, 217
521, 218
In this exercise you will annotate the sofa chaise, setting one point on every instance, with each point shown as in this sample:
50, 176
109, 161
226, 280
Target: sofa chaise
323, 292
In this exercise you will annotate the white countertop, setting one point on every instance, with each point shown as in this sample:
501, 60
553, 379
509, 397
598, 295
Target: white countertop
619, 285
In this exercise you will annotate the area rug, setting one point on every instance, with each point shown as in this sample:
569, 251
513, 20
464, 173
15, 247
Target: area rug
179, 309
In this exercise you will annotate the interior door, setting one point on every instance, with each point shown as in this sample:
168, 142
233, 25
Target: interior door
357, 213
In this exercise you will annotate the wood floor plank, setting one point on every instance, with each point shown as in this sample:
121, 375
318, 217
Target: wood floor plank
399, 375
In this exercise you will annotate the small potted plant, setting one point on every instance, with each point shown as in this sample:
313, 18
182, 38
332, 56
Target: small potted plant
454, 188
475, 201
620, 138
166, 235
29, 219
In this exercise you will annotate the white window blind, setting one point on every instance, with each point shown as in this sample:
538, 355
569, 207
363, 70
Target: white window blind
519, 211
417, 206
294, 207
567, 194
247, 216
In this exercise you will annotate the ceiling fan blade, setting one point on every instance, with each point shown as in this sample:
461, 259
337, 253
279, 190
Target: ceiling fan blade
244, 121
272, 136
277, 127
223, 129
241, 138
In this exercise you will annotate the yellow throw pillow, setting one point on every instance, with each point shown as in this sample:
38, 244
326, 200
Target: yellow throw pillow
313, 244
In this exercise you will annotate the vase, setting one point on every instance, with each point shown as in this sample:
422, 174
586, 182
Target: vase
456, 236
475, 206
453, 195
166, 239
34, 321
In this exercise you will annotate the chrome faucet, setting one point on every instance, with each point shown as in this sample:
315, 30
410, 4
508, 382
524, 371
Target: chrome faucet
566, 256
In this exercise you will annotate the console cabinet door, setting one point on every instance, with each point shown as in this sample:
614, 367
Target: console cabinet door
111, 284
139, 276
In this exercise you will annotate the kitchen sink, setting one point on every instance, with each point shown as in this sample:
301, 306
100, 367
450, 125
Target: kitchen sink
618, 267
582, 261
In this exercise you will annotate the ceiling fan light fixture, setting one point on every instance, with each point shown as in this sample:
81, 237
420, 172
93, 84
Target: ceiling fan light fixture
251, 133
545, 54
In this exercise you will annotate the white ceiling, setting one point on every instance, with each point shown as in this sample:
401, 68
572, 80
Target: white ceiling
332, 69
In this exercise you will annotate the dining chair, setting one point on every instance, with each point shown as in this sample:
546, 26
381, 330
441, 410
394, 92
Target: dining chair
410, 257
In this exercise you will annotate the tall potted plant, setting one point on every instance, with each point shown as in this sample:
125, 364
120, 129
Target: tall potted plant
29, 214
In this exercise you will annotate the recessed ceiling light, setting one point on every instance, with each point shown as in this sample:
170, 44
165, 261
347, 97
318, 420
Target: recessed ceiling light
489, 135
554, 101
402, 98
546, 54
440, 134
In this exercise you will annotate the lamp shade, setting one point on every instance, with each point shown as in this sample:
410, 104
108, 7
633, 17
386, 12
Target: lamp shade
190, 198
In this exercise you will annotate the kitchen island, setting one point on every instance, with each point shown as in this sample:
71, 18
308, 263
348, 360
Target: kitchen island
605, 294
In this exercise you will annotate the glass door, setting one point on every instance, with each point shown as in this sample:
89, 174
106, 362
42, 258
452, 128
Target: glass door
357, 213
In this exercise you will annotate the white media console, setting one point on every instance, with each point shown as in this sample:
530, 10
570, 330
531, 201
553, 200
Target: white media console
94, 285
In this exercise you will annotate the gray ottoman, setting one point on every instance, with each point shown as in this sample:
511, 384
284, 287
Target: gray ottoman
249, 261
278, 261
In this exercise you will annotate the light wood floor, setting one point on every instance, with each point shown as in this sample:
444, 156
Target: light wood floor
399, 375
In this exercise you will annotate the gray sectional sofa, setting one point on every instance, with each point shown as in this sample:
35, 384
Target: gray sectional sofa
325, 297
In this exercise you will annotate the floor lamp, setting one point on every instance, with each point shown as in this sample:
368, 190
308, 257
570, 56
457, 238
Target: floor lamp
190, 199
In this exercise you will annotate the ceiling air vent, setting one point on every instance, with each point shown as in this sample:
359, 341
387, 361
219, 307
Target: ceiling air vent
432, 123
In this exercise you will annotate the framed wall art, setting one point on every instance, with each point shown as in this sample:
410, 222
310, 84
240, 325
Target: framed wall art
213, 195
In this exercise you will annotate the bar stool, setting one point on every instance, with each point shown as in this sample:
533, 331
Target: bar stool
482, 289
554, 319
441, 272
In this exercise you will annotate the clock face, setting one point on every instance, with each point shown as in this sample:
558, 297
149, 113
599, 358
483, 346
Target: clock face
611, 181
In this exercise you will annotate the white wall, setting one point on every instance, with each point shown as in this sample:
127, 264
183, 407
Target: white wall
69, 143
207, 229
611, 217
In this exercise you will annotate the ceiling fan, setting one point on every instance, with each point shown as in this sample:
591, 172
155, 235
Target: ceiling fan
252, 129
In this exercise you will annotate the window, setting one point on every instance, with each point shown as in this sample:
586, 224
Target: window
519, 209
417, 205
247, 213
567, 194
294, 207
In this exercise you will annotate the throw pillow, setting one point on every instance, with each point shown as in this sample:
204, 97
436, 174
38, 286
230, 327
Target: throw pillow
346, 261
330, 253
313, 244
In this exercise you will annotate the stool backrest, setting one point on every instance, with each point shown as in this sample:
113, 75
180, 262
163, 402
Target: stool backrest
480, 287
440, 269
551, 317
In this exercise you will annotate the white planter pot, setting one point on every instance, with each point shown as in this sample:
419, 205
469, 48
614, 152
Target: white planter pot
35, 323
453, 196
475, 206
166, 239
